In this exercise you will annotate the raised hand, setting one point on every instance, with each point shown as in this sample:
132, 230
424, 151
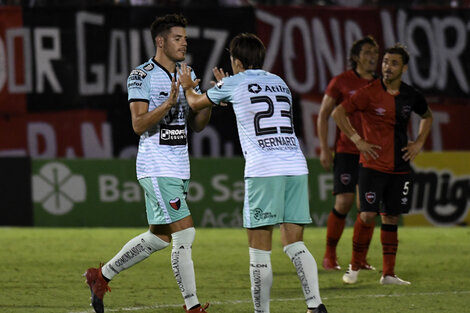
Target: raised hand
184, 74
219, 74
173, 97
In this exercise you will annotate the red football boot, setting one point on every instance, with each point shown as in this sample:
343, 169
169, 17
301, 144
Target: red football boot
98, 287
199, 309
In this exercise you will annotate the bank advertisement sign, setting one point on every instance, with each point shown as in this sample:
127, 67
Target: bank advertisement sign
98, 193
107, 193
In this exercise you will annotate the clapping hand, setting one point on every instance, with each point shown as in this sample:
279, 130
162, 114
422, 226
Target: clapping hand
184, 74
219, 74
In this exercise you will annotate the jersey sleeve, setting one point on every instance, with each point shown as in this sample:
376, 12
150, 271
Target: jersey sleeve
222, 91
333, 90
421, 106
138, 86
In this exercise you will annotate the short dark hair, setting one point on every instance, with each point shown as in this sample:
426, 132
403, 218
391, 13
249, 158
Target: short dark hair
357, 47
400, 49
163, 24
249, 49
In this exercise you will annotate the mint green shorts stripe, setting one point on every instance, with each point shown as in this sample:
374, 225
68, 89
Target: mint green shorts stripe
274, 200
165, 199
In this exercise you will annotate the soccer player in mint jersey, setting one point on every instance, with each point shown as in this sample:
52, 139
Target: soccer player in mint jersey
160, 115
363, 58
385, 183
276, 190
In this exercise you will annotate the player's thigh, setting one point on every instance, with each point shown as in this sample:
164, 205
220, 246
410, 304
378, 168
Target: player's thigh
371, 188
398, 195
345, 171
165, 199
296, 207
264, 201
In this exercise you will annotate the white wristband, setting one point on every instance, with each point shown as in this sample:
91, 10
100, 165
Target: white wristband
355, 138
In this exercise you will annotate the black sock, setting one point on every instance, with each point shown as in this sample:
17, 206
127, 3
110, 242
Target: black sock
105, 278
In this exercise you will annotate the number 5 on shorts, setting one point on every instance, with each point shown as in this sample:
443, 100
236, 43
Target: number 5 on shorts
406, 188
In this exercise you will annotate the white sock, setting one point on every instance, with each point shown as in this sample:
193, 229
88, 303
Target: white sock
261, 276
306, 270
182, 265
135, 250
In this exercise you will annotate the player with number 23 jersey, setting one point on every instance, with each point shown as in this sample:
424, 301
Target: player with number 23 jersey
263, 106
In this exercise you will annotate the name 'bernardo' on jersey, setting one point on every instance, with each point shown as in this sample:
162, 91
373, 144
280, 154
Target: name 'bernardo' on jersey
278, 143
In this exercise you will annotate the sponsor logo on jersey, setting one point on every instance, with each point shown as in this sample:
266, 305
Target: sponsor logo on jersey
370, 197
345, 178
164, 94
405, 111
149, 67
138, 73
175, 203
254, 88
134, 84
172, 135
220, 83
277, 88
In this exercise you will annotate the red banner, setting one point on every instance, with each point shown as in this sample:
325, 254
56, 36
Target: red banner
63, 80
45, 135
307, 46
12, 68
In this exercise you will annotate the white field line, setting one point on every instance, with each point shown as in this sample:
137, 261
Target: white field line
160, 306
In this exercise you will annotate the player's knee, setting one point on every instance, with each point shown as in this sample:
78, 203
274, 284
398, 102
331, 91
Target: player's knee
368, 217
185, 236
294, 248
344, 202
153, 241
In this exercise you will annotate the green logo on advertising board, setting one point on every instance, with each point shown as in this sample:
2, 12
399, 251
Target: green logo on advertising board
87, 193
57, 189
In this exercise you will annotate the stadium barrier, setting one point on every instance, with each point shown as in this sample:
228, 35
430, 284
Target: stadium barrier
16, 207
106, 192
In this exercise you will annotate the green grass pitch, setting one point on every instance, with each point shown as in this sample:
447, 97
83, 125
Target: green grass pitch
41, 268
